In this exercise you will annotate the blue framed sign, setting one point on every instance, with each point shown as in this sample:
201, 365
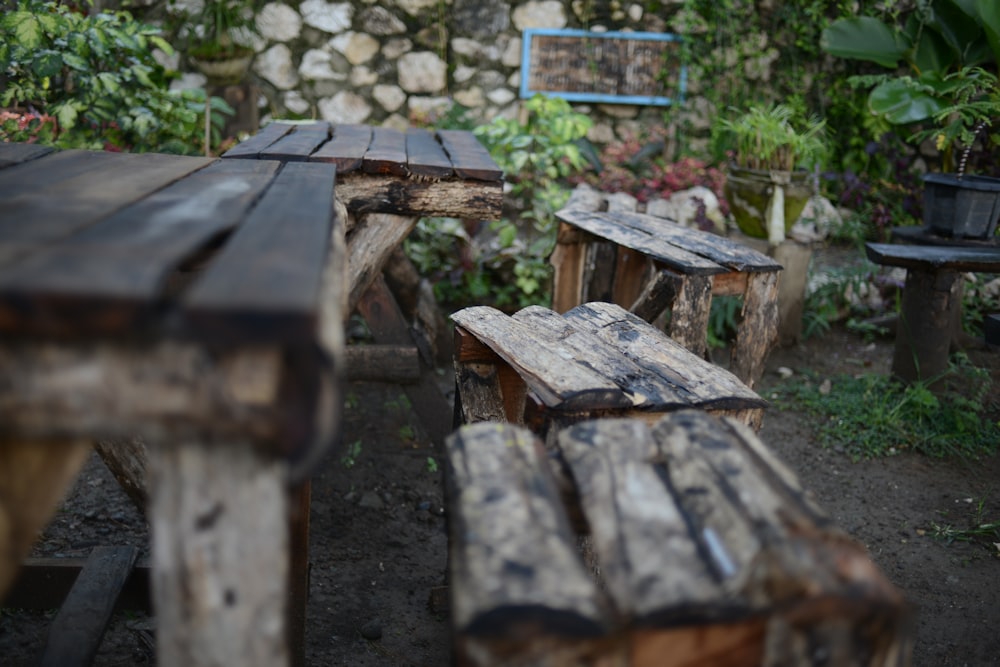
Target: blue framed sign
610, 67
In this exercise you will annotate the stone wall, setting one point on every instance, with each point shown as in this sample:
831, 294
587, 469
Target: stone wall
394, 62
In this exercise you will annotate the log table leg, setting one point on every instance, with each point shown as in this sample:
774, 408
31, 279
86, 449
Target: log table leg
930, 303
689, 317
758, 327
218, 513
34, 476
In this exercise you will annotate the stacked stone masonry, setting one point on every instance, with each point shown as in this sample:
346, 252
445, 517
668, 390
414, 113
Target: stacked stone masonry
400, 61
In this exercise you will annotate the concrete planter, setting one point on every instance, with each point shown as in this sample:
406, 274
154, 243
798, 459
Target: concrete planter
766, 204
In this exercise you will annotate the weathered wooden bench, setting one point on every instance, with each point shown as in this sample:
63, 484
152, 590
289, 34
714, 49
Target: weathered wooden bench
652, 266
547, 370
931, 301
700, 548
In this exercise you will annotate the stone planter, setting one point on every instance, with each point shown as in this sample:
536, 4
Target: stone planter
766, 204
966, 207
224, 71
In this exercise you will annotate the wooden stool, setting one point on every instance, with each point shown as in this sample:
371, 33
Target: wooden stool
652, 265
932, 299
706, 551
547, 370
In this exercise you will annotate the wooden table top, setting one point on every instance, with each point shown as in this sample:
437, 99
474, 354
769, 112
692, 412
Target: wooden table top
418, 172
97, 244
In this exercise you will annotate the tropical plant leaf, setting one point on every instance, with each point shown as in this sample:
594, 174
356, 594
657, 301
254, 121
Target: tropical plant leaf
863, 38
902, 103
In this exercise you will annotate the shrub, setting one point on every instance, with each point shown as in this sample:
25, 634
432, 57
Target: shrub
97, 78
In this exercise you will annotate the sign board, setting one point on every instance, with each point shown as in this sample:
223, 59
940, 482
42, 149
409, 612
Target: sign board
610, 67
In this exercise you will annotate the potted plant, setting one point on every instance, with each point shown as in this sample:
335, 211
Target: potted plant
217, 36
948, 90
766, 185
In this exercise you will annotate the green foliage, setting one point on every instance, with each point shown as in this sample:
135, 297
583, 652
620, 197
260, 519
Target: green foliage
506, 265
941, 43
97, 78
830, 298
774, 137
214, 29
872, 415
979, 530
351, 453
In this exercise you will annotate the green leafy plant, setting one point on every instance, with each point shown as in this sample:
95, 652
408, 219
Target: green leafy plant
506, 263
980, 530
350, 456
774, 137
944, 46
872, 415
97, 78
215, 29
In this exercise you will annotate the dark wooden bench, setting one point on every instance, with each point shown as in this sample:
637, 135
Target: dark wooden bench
654, 266
682, 543
931, 303
547, 370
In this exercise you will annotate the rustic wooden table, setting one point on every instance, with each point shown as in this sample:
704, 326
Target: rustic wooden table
198, 304
387, 179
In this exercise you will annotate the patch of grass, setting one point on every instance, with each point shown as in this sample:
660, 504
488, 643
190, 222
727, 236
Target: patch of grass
873, 415
979, 531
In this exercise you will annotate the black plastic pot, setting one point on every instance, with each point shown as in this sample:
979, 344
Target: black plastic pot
966, 207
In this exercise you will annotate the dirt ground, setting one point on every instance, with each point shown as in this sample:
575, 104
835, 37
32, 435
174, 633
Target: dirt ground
378, 531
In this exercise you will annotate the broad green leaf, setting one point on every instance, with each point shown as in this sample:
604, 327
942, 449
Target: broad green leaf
862, 38
67, 115
902, 104
955, 25
47, 63
989, 14
932, 53
27, 29
110, 81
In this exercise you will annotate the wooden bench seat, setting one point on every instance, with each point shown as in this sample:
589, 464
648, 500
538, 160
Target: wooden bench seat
654, 266
931, 303
700, 549
543, 369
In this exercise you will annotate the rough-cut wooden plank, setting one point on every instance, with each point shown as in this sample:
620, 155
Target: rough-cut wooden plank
117, 179
109, 277
560, 381
757, 329
647, 391
396, 364
653, 569
633, 271
44, 583
599, 270
219, 587
369, 245
346, 148
16, 153
927, 258
126, 458
469, 157
164, 391
731, 254
425, 156
77, 630
387, 153
370, 193
514, 566
653, 350
496, 392
34, 477
388, 327
252, 147
288, 232
657, 296
567, 262
689, 317
602, 225
299, 144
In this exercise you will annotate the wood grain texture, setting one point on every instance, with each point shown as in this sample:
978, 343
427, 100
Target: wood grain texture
928, 258
288, 232
691, 310
77, 630
757, 329
469, 158
380, 193
219, 587
255, 145
109, 277
34, 477
706, 551
387, 153
346, 148
11, 154
369, 245
425, 156
299, 144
